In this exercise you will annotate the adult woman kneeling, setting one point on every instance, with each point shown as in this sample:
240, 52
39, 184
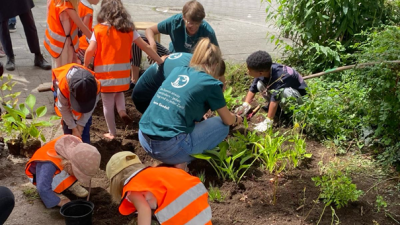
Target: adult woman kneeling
170, 129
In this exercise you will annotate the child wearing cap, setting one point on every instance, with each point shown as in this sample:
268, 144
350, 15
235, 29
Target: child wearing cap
57, 166
274, 81
175, 196
76, 93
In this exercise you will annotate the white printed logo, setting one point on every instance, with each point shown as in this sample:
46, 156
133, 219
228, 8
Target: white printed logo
175, 56
180, 82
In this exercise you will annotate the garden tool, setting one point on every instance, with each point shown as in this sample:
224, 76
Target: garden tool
255, 110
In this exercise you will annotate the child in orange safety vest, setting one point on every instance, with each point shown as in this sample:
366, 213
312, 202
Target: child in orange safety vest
61, 36
57, 166
110, 45
86, 15
175, 197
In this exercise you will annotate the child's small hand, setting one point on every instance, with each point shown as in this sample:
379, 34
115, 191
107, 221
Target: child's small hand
63, 201
76, 132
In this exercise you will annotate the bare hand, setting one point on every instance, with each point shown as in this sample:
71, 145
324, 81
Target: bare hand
63, 201
76, 132
80, 129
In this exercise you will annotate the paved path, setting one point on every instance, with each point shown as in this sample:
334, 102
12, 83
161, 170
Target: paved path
240, 27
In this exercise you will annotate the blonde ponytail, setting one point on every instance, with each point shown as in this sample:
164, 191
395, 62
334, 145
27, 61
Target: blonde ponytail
207, 57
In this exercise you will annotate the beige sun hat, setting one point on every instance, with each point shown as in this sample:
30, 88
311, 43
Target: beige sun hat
84, 158
120, 161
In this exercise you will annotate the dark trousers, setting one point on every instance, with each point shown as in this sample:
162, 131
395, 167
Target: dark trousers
85, 132
137, 52
7, 202
30, 33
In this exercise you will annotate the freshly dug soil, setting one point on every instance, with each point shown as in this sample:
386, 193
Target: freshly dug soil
249, 202
14, 146
30, 148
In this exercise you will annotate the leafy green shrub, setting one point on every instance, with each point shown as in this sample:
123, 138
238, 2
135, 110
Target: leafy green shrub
15, 122
322, 30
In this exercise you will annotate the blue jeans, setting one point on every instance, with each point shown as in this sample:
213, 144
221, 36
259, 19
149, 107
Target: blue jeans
206, 135
85, 132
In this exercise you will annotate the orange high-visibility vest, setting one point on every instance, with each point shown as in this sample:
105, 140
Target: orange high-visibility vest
60, 82
85, 8
61, 179
55, 37
112, 61
181, 198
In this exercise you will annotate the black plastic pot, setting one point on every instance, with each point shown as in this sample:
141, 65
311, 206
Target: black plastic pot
77, 212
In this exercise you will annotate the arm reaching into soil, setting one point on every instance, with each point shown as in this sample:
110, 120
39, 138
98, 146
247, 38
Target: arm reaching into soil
149, 51
229, 118
142, 206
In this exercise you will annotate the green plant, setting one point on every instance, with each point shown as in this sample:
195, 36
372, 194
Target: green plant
380, 203
215, 194
279, 151
31, 194
16, 123
224, 164
10, 98
231, 102
236, 76
202, 176
336, 187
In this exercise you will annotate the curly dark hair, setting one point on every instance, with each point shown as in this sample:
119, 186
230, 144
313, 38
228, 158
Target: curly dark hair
259, 61
114, 13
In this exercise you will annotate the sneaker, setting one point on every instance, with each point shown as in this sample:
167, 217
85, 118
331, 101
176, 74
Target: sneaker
11, 27
78, 190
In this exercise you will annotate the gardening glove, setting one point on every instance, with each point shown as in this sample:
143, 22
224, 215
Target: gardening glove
243, 109
264, 125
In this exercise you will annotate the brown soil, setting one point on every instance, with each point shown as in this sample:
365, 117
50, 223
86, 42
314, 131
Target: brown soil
250, 202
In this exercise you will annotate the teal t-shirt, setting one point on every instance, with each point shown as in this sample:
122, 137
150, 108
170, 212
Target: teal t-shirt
183, 98
153, 77
180, 40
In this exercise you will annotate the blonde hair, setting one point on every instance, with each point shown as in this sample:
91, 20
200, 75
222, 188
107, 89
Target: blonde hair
207, 57
75, 3
114, 13
194, 11
118, 181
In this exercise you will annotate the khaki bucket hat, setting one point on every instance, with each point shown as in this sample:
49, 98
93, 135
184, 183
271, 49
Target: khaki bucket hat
120, 161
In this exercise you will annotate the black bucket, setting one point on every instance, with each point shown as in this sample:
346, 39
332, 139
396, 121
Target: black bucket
77, 212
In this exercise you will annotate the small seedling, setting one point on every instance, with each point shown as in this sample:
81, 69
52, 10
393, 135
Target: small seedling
202, 176
31, 194
380, 203
215, 194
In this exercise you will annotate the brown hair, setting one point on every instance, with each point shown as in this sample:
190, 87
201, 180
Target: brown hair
114, 13
207, 57
194, 11
118, 181
75, 3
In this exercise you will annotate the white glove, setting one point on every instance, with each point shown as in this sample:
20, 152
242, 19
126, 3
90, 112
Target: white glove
243, 109
264, 125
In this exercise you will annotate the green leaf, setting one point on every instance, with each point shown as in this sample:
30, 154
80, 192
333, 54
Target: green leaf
308, 155
41, 111
201, 156
42, 137
54, 118
42, 124
34, 132
23, 109
30, 101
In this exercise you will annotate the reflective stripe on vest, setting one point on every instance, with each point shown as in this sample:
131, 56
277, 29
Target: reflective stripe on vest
56, 36
58, 179
54, 48
202, 218
114, 82
112, 68
181, 202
